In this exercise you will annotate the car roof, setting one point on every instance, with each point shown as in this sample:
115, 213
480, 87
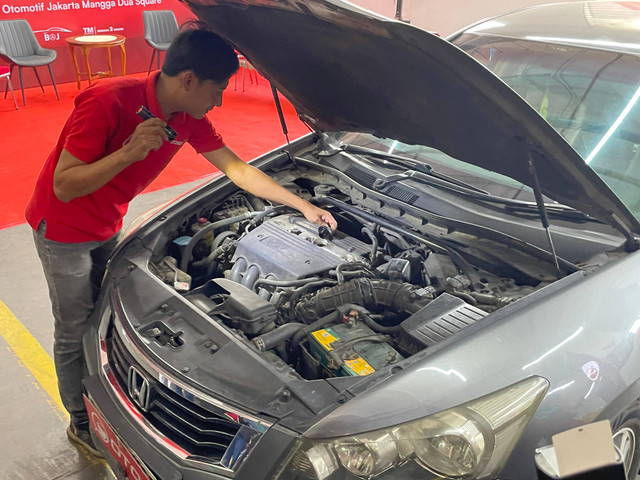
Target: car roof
612, 26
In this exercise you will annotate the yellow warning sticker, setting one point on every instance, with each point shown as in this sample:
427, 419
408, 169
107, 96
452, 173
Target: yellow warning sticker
324, 338
360, 366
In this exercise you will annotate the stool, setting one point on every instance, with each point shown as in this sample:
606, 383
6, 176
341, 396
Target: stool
5, 72
86, 43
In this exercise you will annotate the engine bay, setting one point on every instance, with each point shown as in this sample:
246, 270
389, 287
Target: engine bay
328, 304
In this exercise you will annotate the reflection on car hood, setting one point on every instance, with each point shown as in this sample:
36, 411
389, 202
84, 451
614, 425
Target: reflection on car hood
344, 68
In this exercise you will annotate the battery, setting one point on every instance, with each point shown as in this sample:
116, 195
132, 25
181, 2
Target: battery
351, 349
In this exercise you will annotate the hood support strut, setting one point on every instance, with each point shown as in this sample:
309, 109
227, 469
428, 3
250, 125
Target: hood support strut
537, 191
283, 122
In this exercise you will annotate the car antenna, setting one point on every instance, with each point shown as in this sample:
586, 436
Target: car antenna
283, 122
537, 192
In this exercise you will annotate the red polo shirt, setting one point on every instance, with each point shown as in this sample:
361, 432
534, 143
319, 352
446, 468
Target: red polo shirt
103, 118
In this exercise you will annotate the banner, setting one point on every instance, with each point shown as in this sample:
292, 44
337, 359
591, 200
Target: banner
54, 21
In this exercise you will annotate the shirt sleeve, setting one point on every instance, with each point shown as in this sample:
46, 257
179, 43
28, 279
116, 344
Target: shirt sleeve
88, 128
204, 137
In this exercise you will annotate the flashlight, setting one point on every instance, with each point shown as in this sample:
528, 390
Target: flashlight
145, 114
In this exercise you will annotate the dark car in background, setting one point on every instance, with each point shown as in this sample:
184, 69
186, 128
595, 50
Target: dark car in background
480, 295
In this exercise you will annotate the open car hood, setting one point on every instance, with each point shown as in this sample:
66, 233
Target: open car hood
344, 68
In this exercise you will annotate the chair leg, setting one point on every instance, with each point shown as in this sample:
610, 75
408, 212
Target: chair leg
158, 59
24, 102
7, 85
38, 77
53, 80
11, 89
151, 62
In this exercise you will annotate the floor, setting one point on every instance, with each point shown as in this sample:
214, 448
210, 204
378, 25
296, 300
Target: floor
34, 443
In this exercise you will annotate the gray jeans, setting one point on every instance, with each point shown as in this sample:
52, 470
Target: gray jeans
74, 273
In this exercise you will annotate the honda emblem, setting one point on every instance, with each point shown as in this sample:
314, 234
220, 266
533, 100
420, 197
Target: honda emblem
139, 388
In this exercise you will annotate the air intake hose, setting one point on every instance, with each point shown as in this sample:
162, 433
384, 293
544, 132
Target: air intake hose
373, 294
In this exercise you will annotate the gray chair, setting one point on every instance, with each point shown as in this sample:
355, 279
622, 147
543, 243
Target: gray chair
19, 48
160, 26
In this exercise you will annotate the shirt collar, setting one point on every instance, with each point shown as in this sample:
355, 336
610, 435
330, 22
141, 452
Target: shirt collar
154, 106
152, 97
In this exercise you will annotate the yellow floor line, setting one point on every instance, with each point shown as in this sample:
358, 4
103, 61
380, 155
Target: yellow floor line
31, 355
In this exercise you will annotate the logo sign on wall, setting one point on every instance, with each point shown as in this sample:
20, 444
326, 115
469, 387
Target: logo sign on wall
53, 20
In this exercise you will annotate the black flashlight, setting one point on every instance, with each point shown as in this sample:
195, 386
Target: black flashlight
145, 114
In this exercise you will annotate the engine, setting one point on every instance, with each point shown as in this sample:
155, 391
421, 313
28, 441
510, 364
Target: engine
343, 303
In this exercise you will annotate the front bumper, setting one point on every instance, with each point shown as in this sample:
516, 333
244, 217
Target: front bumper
163, 465
157, 451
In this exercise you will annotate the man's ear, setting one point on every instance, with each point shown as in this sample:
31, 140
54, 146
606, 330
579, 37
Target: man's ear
188, 79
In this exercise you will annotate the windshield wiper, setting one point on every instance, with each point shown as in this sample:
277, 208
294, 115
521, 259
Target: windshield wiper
444, 181
411, 164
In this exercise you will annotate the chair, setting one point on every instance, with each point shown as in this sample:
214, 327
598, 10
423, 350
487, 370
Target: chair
19, 47
160, 26
244, 65
5, 72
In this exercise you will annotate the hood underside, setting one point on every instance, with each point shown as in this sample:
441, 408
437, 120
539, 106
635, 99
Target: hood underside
348, 69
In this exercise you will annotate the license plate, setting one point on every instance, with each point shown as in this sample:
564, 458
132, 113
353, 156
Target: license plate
118, 450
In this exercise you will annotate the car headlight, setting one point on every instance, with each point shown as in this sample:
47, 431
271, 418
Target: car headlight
472, 440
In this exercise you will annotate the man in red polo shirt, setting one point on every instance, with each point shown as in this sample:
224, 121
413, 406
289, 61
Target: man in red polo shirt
104, 157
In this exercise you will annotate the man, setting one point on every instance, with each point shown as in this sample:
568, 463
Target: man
105, 156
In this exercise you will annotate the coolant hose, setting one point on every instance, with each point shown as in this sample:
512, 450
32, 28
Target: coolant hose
271, 339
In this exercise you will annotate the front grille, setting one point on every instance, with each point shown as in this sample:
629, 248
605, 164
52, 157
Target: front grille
196, 430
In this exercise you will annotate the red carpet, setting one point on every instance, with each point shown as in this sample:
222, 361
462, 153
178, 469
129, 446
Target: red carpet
247, 120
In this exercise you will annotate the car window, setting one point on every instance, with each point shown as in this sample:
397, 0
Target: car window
589, 96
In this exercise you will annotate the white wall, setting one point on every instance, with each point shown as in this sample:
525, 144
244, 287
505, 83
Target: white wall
447, 16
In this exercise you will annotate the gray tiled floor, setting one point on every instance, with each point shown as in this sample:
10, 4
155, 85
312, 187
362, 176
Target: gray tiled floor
33, 439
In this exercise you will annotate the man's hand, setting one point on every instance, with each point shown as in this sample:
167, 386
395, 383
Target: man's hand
320, 217
74, 178
147, 136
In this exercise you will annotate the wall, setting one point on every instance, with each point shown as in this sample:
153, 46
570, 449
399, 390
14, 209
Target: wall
54, 20
447, 16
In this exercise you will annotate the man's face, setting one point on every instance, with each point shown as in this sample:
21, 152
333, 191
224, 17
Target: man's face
205, 95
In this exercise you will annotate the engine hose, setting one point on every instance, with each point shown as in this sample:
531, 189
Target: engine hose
333, 317
373, 294
188, 249
374, 243
341, 266
269, 211
269, 340
376, 326
458, 259
215, 253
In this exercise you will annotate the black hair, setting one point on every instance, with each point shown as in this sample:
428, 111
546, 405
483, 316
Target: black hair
203, 52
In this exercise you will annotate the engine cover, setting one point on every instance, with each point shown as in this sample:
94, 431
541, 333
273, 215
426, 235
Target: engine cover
288, 247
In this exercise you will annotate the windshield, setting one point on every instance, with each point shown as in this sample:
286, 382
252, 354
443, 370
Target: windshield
589, 96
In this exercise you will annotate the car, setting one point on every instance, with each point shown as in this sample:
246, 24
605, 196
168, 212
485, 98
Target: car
479, 296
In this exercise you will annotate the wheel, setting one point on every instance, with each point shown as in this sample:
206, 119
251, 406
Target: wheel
627, 439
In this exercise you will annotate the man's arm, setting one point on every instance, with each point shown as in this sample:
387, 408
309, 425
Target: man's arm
74, 178
258, 183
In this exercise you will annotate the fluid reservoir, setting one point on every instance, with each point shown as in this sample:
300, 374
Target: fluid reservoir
351, 349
